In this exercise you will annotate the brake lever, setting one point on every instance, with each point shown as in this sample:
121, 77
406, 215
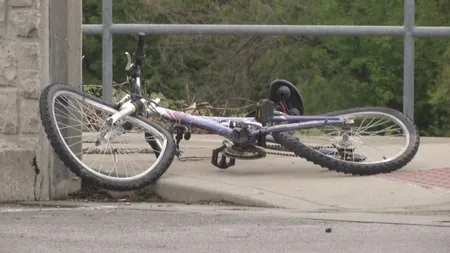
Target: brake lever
129, 62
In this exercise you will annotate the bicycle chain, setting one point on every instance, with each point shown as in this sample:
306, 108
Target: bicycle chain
236, 155
281, 148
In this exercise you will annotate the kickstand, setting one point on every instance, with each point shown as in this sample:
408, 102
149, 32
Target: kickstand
178, 138
179, 154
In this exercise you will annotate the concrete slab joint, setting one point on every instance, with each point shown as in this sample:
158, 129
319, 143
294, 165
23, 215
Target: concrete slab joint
26, 161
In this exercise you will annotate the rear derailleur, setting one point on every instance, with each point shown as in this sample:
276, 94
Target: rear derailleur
345, 146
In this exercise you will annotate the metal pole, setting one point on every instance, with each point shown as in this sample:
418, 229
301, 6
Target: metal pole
249, 30
107, 50
431, 31
408, 59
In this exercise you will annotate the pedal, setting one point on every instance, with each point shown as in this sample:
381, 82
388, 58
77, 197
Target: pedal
223, 163
264, 111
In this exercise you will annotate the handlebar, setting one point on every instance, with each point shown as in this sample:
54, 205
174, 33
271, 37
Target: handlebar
140, 54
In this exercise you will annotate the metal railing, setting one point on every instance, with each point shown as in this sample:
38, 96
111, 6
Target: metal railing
408, 31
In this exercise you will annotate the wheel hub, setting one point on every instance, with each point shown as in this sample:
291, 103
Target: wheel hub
345, 145
109, 134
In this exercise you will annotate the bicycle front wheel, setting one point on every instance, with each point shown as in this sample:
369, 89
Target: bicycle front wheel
110, 157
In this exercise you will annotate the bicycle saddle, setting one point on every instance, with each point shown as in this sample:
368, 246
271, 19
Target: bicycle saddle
286, 97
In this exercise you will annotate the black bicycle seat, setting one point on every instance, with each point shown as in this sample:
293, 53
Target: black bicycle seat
286, 97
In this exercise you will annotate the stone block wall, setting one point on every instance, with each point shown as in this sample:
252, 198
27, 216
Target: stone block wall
27, 163
23, 33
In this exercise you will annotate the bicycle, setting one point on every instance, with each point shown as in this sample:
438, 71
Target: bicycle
273, 125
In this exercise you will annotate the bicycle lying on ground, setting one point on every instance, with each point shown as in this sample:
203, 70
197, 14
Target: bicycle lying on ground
132, 129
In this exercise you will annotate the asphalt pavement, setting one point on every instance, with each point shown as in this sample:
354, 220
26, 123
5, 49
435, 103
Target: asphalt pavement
106, 228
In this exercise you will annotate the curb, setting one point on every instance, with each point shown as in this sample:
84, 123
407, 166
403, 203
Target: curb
191, 192
182, 189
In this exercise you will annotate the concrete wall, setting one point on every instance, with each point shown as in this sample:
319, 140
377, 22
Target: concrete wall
37, 39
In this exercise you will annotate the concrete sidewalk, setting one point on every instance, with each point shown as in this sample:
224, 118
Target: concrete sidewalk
291, 182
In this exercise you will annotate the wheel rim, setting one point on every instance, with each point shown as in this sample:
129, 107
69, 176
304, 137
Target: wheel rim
116, 141
348, 147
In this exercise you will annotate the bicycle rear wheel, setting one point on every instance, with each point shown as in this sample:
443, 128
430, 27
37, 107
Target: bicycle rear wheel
75, 124
342, 151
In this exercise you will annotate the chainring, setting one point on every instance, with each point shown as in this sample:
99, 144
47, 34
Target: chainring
244, 153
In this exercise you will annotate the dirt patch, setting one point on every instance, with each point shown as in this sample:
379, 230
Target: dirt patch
90, 193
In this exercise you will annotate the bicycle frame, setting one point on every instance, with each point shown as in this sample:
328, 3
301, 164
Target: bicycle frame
220, 125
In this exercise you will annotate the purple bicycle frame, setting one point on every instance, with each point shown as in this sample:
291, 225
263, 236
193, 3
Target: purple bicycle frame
217, 126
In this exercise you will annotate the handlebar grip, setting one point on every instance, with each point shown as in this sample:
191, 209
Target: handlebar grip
140, 54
